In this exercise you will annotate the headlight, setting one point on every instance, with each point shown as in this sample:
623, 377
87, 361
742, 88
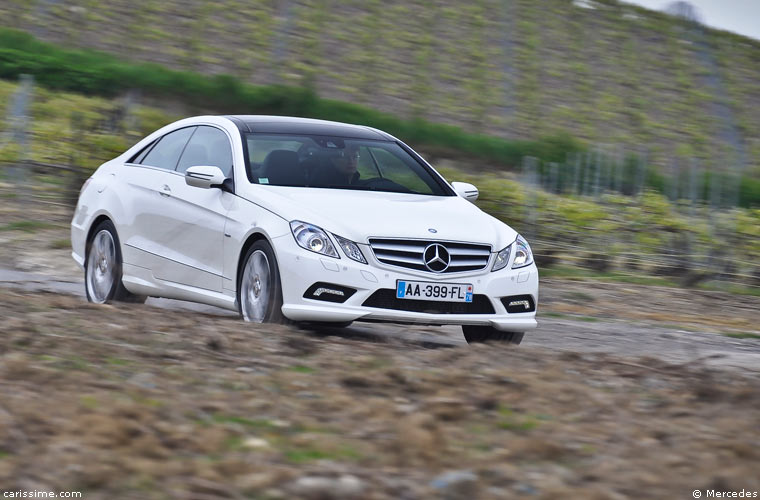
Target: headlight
351, 249
523, 255
502, 259
313, 238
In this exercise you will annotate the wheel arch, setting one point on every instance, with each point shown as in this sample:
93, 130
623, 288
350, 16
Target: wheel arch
249, 241
95, 223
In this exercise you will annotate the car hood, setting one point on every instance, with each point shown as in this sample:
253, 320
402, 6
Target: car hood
360, 215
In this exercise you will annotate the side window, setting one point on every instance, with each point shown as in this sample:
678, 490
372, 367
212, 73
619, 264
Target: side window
208, 146
166, 153
139, 157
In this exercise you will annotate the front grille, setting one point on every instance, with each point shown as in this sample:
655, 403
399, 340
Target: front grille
411, 254
385, 298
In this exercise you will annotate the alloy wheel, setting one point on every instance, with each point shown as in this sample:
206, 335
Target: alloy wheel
256, 285
101, 267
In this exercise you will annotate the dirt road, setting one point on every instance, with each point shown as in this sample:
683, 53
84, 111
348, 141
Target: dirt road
573, 316
141, 402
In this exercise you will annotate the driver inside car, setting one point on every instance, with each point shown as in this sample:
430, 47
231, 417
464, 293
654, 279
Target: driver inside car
342, 168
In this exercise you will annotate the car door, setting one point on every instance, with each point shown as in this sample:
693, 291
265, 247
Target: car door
147, 179
194, 237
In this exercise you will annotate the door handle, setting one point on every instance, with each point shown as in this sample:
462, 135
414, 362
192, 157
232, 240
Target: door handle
165, 191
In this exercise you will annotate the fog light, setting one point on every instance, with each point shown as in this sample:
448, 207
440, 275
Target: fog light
519, 303
329, 292
319, 291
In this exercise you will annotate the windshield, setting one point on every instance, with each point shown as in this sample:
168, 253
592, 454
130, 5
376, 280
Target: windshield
337, 163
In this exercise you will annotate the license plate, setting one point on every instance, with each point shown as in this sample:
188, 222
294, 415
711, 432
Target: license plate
441, 292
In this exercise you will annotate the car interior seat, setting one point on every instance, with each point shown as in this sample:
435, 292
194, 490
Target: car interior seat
282, 168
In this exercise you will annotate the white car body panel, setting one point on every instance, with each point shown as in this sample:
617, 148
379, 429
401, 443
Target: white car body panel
188, 245
359, 215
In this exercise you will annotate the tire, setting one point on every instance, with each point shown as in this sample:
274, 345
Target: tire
259, 291
477, 334
103, 268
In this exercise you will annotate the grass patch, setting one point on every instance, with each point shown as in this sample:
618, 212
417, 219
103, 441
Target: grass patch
28, 226
742, 335
51, 179
520, 426
302, 369
302, 455
234, 443
76, 363
89, 402
716, 286
117, 362
246, 422
581, 274
587, 319
580, 297
554, 315
568, 272
60, 244
511, 421
150, 402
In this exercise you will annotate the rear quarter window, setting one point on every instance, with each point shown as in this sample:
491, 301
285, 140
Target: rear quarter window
165, 154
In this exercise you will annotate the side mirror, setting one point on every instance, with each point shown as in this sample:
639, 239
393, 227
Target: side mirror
466, 190
204, 177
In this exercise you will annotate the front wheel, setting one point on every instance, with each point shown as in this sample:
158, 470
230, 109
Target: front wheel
477, 334
103, 268
259, 289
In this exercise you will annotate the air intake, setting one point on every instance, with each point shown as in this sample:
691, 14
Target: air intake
386, 299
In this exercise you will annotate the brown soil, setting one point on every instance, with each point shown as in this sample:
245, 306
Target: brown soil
138, 402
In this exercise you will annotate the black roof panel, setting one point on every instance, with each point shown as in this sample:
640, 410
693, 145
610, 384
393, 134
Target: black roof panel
306, 126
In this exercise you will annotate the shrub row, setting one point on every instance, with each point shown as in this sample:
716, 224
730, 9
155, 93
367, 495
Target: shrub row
97, 73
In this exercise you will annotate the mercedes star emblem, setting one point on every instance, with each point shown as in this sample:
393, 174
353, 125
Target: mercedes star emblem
437, 258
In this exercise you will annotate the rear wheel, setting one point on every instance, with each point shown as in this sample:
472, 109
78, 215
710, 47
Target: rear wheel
259, 288
477, 334
103, 268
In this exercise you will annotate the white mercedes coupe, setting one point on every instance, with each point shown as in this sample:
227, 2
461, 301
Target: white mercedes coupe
292, 219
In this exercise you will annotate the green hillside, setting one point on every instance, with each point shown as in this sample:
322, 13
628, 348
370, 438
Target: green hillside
613, 74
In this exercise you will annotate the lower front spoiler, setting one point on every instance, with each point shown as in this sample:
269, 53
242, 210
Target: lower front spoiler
330, 314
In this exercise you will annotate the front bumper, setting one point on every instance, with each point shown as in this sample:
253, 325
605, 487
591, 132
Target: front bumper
300, 269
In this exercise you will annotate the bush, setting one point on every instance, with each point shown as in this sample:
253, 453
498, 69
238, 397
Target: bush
749, 192
92, 72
